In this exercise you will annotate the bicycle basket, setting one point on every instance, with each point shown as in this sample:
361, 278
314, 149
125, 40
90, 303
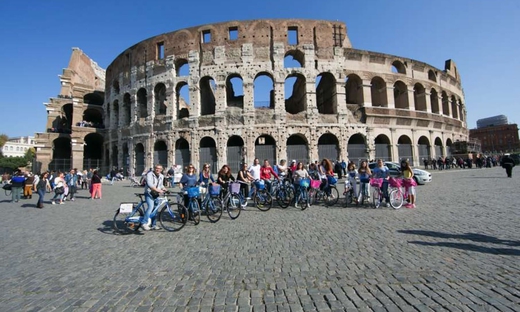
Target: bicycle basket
193, 192
409, 182
376, 182
332, 180
234, 187
260, 185
315, 184
394, 182
304, 182
214, 189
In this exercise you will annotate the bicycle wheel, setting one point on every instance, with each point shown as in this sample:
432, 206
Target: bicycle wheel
263, 200
396, 199
214, 210
127, 223
313, 196
173, 217
348, 198
233, 206
285, 196
195, 211
333, 198
376, 199
304, 200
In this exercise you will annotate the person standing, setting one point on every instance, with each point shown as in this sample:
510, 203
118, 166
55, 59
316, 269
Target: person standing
153, 188
28, 186
41, 188
382, 172
508, 163
95, 185
17, 184
409, 184
72, 181
59, 188
265, 174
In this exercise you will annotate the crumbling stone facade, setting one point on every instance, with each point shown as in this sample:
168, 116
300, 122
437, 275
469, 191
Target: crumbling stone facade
277, 89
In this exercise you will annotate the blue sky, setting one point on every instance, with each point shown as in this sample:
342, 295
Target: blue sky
481, 36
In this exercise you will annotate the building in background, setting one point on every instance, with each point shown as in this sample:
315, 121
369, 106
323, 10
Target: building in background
496, 135
17, 147
492, 121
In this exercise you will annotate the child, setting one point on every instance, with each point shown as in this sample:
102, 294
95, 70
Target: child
352, 174
409, 184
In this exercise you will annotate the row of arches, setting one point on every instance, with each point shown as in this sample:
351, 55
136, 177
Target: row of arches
92, 116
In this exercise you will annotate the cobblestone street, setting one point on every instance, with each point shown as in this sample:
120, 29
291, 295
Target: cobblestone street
459, 250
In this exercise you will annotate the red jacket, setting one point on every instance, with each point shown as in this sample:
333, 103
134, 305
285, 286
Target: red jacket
265, 173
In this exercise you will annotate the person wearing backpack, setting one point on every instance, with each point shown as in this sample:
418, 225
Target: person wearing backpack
71, 180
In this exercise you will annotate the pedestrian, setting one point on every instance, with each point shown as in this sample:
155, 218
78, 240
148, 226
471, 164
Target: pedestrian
59, 188
41, 188
28, 186
508, 163
344, 167
409, 184
95, 185
352, 176
72, 181
17, 184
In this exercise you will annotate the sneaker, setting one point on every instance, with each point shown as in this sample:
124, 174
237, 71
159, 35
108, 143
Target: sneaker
156, 227
295, 205
72, 199
146, 227
387, 205
61, 203
248, 198
408, 206
242, 208
53, 203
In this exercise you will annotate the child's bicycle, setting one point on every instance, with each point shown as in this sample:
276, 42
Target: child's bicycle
129, 216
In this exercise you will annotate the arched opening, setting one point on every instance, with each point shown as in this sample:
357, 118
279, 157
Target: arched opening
461, 111
438, 148
235, 91
127, 109
160, 153
235, 153
61, 153
126, 160
357, 148
207, 96
294, 59
142, 103
92, 118
378, 92
115, 162
401, 95
404, 149
295, 94
354, 89
161, 106
94, 98
328, 147
434, 100
66, 118
139, 159
445, 104
419, 95
208, 153
326, 93
383, 148
424, 148
115, 108
265, 148
432, 76
183, 100
398, 68
298, 149
449, 144
454, 108
182, 153
93, 150
182, 67
263, 86
115, 87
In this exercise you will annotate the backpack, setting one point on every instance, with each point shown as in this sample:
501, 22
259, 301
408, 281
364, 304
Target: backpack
143, 181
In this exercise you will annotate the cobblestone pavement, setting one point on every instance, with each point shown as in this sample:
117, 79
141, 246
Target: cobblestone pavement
459, 250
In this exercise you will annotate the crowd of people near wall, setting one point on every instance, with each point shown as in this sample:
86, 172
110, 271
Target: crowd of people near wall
479, 161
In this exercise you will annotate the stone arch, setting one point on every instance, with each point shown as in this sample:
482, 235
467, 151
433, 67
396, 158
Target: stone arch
357, 148
419, 95
61, 154
404, 148
207, 96
383, 148
401, 95
115, 87
94, 98
294, 59
434, 100
326, 94
182, 153
449, 145
182, 67
265, 148
398, 67
432, 76
92, 150
328, 147
438, 147
92, 118
208, 153
160, 153
115, 108
126, 160
445, 104
139, 158
424, 148
454, 109
183, 100
354, 89
235, 153
296, 100
161, 106
378, 90
142, 100
263, 87
127, 109
298, 148
235, 91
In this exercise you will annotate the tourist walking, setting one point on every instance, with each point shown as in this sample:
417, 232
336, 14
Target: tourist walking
59, 188
41, 188
508, 163
95, 185
17, 184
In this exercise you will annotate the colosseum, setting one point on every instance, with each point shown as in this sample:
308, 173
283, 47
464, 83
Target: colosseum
230, 92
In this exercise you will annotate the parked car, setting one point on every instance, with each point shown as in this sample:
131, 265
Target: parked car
420, 176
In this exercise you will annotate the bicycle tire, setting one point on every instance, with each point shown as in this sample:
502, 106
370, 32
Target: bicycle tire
305, 201
312, 196
376, 201
214, 210
122, 227
333, 199
233, 206
285, 196
396, 199
194, 211
173, 217
263, 200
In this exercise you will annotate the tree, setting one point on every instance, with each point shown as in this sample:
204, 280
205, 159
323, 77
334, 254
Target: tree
3, 139
29, 155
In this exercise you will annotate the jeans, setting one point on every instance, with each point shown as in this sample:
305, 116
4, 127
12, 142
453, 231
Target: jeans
41, 194
325, 186
384, 189
72, 191
150, 203
15, 193
57, 196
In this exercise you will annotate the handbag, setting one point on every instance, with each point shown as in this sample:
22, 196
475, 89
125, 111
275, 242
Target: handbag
154, 194
59, 190
7, 187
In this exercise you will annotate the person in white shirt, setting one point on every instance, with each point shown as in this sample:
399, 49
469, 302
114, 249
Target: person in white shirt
255, 169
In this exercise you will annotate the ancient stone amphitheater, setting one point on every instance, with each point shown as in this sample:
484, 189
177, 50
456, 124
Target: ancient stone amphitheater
273, 89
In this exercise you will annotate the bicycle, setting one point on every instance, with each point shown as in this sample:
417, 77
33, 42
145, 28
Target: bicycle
129, 216
349, 193
212, 204
364, 194
316, 195
397, 195
302, 195
234, 201
378, 195
261, 197
283, 192
193, 206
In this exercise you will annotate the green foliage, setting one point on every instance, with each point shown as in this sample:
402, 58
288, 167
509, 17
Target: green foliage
29, 155
3, 139
13, 162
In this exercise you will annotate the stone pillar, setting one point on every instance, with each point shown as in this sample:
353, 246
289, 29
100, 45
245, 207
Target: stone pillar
131, 157
367, 93
150, 100
450, 113
193, 82
148, 151
76, 154
411, 98
120, 155
428, 101
249, 102
220, 97
310, 88
390, 95
279, 98
341, 99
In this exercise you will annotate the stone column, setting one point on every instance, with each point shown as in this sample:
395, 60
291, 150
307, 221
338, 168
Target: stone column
76, 154
249, 102
193, 82
279, 98
367, 93
341, 99
411, 98
150, 100
390, 95
428, 101
220, 97
310, 87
